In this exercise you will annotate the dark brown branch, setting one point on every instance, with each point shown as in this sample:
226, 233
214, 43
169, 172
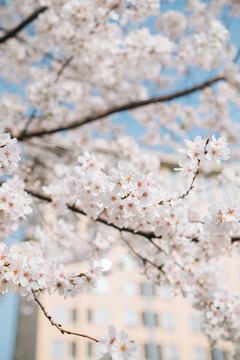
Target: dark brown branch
11, 33
29, 120
59, 326
149, 235
234, 239
43, 197
116, 109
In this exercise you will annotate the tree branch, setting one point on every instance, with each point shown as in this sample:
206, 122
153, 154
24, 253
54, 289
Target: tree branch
43, 197
59, 326
116, 109
149, 235
11, 33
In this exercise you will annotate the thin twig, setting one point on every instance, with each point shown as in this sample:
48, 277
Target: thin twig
11, 33
64, 65
196, 174
28, 123
59, 326
116, 109
144, 259
192, 182
113, 7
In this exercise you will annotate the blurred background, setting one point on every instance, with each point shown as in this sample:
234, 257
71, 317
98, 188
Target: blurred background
163, 326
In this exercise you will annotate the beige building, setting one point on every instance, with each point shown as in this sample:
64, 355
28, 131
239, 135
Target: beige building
165, 328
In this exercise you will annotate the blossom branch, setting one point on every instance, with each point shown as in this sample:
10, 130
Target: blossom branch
195, 175
43, 197
149, 235
11, 33
59, 326
116, 109
192, 183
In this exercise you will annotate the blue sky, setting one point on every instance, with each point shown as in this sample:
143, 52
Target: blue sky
135, 129
9, 315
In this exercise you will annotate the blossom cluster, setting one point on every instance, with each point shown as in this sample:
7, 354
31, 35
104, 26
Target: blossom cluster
199, 149
14, 205
199, 279
62, 242
9, 153
23, 269
117, 346
130, 198
223, 219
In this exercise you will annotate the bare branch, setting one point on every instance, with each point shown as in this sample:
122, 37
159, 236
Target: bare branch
64, 65
11, 33
59, 326
116, 109
144, 259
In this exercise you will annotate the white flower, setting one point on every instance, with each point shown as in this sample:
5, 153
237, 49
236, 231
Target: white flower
195, 149
9, 154
217, 150
173, 23
117, 346
123, 348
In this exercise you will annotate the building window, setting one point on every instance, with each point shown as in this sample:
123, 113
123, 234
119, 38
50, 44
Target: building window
149, 319
129, 289
168, 321
103, 287
171, 352
164, 293
89, 315
195, 324
74, 315
60, 314
102, 316
217, 354
147, 289
200, 354
89, 349
127, 262
130, 317
152, 351
73, 349
59, 349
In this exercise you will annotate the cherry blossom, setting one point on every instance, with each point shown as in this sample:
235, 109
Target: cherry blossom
79, 66
9, 153
117, 346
